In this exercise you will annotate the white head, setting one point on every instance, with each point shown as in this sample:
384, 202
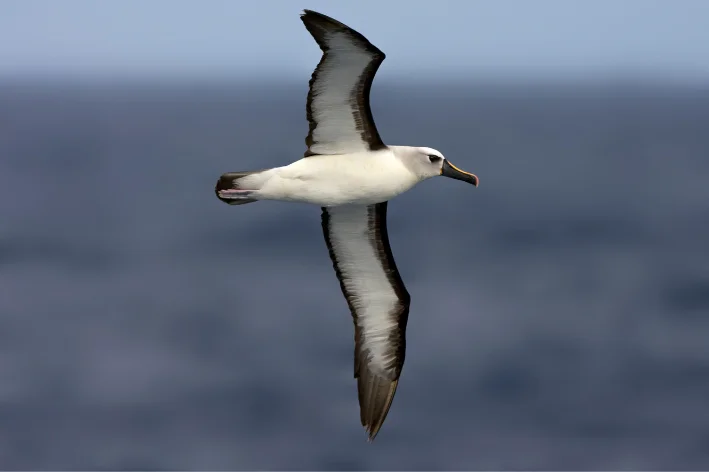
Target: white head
427, 162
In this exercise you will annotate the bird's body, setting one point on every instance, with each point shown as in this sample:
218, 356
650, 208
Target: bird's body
358, 178
349, 172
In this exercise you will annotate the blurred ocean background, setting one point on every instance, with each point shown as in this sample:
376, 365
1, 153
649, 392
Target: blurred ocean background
560, 314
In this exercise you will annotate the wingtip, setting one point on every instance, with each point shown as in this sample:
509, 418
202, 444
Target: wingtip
373, 423
371, 434
307, 12
309, 16
372, 429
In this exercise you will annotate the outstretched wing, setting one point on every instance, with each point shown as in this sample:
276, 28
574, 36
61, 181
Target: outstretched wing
358, 243
338, 101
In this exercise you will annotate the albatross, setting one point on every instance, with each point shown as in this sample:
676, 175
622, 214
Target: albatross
351, 174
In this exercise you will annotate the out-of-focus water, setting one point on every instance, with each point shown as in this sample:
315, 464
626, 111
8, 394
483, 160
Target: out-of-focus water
560, 315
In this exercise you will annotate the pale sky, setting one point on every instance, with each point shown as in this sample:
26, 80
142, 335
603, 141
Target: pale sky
426, 39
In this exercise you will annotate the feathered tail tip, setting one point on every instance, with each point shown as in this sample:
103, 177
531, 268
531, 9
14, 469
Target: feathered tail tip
228, 191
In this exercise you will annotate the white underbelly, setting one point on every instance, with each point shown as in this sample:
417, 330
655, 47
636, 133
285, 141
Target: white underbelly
329, 193
332, 181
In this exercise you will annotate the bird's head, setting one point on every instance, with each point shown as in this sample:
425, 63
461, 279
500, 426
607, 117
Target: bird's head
427, 162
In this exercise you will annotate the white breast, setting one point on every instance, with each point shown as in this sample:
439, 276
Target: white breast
362, 178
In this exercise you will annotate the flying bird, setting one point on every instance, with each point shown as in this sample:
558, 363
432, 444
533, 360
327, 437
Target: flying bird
351, 174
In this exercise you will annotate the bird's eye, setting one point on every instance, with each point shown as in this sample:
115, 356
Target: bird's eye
434, 159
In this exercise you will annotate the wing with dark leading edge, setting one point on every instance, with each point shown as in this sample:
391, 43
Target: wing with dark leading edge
337, 108
358, 244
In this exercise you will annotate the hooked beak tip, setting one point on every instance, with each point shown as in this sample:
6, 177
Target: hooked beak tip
449, 170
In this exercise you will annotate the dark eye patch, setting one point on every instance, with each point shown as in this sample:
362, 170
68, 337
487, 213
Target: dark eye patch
433, 158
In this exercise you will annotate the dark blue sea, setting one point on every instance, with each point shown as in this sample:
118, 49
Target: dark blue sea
560, 311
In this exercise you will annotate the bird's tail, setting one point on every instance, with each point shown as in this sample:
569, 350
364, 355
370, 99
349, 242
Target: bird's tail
233, 189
